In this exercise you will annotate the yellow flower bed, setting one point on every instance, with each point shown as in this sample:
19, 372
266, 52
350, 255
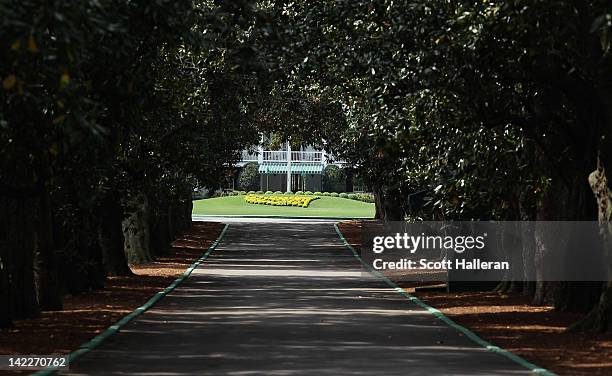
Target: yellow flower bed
300, 201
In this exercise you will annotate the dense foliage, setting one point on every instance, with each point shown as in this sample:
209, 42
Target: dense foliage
488, 110
249, 177
334, 179
110, 113
491, 110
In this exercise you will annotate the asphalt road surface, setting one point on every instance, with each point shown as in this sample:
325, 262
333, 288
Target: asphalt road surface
287, 298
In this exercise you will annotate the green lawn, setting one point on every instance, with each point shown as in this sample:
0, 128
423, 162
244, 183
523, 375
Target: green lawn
333, 207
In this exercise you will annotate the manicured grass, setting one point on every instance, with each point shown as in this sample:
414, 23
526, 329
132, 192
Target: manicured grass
333, 207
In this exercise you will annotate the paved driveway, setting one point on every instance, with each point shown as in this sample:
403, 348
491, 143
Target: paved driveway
287, 298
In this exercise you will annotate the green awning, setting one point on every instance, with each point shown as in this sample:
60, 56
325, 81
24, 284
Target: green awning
296, 168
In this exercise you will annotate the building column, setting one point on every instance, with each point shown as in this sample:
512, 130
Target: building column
260, 151
288, 166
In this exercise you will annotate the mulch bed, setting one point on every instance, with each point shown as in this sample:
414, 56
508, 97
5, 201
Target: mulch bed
86, 315
537, 334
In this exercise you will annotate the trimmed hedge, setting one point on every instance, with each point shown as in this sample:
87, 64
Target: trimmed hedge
365, 197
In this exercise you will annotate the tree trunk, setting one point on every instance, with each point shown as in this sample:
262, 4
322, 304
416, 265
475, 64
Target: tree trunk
5, 297
528, 257
110, 237
549, 244
511, 244
555, 238
577, 296
378, 205
161, 232
388, 204
46, 268
18, 253
600, 317
349, 180
94, 272
136, 230
187, 205
527, 215
172, 218
180, 214
392, 207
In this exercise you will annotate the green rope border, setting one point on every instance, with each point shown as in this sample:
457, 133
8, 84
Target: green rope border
100, 338
439, 315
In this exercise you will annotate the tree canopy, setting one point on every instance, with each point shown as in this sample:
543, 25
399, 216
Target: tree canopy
490, 110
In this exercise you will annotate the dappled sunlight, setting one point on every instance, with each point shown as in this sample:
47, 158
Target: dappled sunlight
289, 299
535, 332
86, 315
279, 272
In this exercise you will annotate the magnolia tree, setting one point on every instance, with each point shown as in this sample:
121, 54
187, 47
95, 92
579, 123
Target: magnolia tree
110, 114
498, 110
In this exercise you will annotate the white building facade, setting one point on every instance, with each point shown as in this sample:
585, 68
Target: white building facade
290, 170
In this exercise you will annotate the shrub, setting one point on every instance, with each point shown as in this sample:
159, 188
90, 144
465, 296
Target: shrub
308, 193
210, 194
251, 192
259, 192
232, 193
325, 194
343, 195
269, 192
352, 196
334, 179
334, 194
278, 193
299, 192
317, 193
288, 193
365, 197
249, 176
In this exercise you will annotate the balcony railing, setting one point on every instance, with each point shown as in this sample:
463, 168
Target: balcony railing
274, 156
296, 156
307, 156
281, 156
